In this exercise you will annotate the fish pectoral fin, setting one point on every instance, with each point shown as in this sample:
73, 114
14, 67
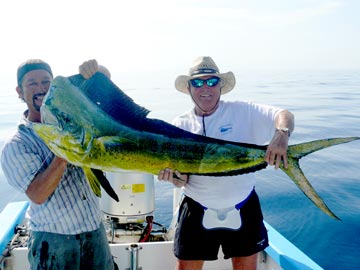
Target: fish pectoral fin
105, 184
93, 181
96, 180
297, 176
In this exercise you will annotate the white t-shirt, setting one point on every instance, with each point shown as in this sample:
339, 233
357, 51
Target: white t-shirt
237, 121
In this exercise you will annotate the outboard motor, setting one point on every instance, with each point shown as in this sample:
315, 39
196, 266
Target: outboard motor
130, 219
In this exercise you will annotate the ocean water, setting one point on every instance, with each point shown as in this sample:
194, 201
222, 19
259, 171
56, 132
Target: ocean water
325, 103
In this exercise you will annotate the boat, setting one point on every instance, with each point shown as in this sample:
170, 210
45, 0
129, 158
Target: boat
136, 241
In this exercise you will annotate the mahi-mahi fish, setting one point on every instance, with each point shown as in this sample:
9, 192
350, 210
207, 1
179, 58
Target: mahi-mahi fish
94, 125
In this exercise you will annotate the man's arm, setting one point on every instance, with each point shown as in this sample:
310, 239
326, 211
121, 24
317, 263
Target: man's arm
45, 183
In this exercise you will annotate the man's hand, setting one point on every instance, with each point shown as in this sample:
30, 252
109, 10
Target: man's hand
179, 180
276, 152
88, 68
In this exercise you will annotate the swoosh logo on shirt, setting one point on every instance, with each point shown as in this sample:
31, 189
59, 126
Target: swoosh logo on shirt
225, 129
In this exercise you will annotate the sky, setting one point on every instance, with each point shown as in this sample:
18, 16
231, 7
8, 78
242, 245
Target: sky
165, 35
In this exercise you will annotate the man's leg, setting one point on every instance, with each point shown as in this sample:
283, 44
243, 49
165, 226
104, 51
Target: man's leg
187, 265
245, 263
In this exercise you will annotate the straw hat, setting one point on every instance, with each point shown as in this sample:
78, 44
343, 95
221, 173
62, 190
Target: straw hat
205, 66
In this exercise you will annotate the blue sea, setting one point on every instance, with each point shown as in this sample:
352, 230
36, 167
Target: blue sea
326, 104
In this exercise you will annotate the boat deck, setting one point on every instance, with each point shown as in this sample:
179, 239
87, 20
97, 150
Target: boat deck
281, 254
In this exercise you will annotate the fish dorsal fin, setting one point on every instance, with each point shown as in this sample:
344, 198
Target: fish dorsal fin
109, 98
114, 102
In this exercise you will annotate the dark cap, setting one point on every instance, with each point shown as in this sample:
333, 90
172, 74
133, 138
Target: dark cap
30, 65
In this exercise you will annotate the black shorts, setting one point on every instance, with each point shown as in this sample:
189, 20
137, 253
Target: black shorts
194, 242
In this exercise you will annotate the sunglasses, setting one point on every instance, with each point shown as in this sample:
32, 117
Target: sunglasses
211, 82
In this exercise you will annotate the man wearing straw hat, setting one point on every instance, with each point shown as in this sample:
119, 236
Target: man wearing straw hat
224, 211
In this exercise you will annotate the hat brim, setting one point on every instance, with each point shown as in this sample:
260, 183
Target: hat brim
227, 81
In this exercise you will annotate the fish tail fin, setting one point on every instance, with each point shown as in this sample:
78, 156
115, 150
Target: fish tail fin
294, 171
303, 149
96, 180
296, 174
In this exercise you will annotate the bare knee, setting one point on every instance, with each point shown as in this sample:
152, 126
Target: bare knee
245, 263
187, 265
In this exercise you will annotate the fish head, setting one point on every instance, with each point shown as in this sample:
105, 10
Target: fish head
71, 121
72, 146
61, 128
68, 107
61, 104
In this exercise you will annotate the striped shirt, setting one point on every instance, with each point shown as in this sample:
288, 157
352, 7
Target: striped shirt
72, 208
